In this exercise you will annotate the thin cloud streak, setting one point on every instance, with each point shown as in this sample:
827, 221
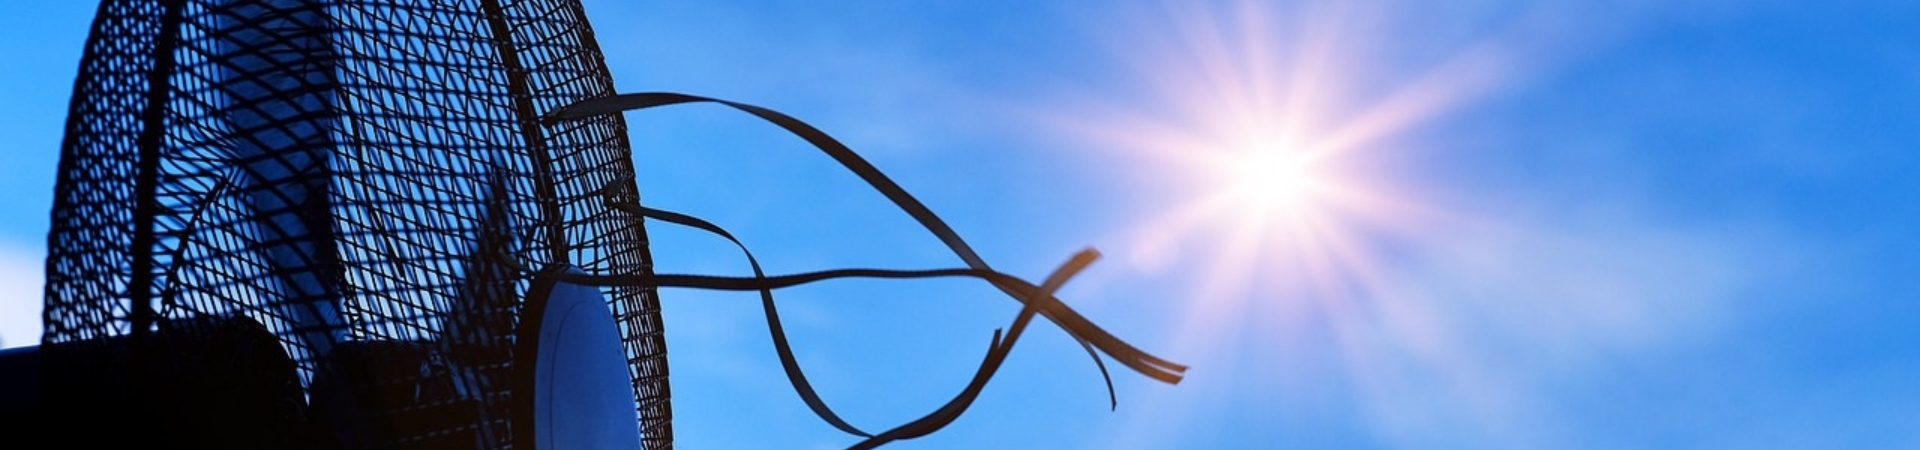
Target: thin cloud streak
1463, 341
21, 275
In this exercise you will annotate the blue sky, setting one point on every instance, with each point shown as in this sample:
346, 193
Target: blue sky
1575, 224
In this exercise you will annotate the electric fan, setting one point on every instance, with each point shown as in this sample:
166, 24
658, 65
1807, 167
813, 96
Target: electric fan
386, 224
344, 176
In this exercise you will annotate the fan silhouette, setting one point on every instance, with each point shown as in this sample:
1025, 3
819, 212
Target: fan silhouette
380, 224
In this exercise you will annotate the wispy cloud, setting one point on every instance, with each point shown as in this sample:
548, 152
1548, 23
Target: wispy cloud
1463, 344
1468, 338
22, 277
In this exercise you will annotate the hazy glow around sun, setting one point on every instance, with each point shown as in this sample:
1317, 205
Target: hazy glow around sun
1255, 115
1253, 133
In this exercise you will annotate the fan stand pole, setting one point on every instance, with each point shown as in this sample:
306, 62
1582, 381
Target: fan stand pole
529, 130
152, 134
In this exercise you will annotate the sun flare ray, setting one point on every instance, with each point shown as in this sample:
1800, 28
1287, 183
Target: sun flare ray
1260, 121
1259, 141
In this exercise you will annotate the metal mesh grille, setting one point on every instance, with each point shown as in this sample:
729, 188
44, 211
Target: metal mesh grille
343, 172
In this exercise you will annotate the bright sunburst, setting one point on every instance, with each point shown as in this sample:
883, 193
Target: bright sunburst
1256, 125
1269, 177
1255, 146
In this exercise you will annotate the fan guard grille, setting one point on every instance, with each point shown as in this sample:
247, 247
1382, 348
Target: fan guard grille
401, 152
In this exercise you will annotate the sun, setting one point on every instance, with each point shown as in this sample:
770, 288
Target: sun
1270, 149
1265, 203
1256, 133
1270, 178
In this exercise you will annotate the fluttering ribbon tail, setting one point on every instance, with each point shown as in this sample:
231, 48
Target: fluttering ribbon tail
1036, 300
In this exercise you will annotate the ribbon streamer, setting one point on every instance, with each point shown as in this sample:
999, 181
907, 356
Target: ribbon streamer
1036, 300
